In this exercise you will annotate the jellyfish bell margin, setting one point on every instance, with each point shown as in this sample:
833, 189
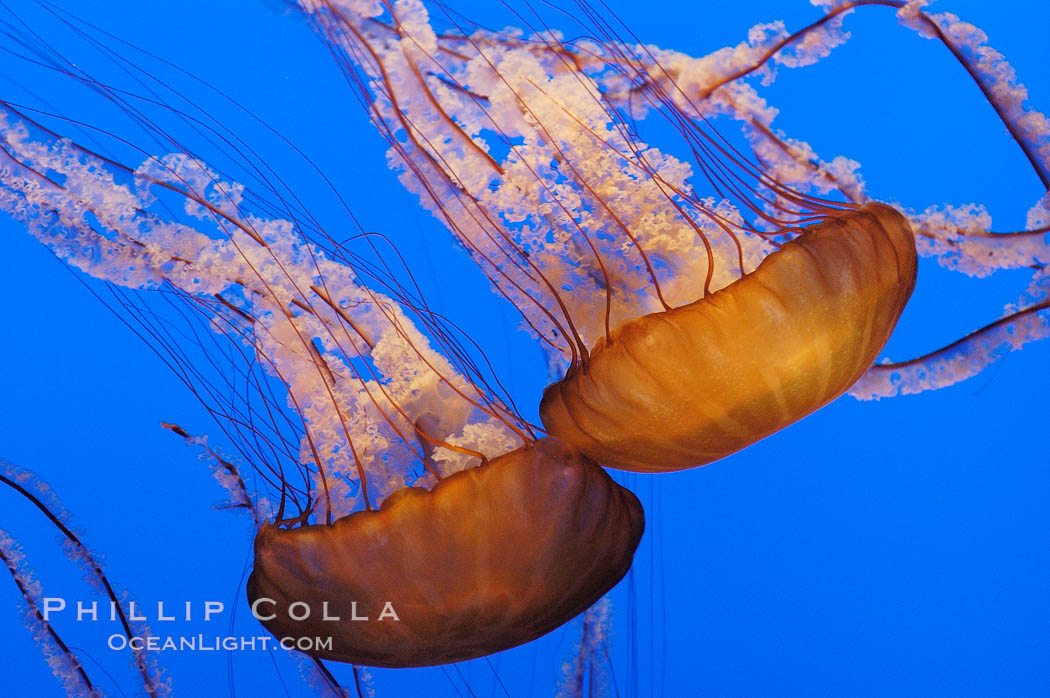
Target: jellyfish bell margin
491, 558
688, 386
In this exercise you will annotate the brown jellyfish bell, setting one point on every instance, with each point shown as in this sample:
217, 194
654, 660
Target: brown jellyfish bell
490, 558
688, 307
485, 536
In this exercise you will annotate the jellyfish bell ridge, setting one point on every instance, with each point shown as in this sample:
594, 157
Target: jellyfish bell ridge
685, 387
490, 558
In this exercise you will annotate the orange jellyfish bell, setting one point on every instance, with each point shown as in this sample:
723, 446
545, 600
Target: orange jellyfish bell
490, 558
687, 386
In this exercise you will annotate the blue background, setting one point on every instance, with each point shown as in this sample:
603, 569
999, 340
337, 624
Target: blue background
896, 546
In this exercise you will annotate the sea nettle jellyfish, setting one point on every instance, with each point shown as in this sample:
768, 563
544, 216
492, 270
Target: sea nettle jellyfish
697, 304
403, 486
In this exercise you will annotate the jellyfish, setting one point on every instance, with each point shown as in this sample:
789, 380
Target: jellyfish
695, 305
693, 384
396, 480
714, 502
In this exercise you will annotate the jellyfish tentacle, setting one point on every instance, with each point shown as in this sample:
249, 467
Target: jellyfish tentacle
39, 494
65, 665
959, 360
994, 76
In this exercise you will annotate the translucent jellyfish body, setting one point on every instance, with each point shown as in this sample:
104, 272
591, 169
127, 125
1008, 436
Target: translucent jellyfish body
528, 148
484, 537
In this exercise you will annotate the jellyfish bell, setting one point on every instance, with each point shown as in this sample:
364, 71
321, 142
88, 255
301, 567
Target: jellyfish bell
688, 386
490, 558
